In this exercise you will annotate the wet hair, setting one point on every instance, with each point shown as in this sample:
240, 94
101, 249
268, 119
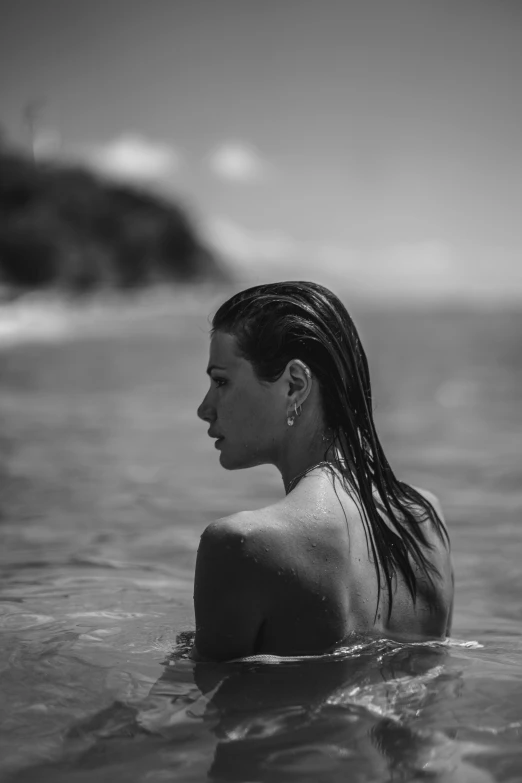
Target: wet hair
278, 322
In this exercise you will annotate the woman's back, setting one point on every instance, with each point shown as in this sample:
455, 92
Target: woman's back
303, 568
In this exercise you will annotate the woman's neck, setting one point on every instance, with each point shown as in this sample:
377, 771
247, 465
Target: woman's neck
302, 457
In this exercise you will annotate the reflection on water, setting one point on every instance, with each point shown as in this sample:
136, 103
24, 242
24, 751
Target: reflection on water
107, 480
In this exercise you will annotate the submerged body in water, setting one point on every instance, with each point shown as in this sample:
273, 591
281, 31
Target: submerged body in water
352, 714
350, 548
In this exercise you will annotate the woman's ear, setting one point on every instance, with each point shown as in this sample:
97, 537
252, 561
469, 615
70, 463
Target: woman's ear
299, 380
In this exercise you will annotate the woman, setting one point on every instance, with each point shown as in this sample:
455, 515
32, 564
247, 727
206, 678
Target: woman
350, 549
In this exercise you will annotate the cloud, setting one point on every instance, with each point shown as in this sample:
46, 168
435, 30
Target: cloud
334, 255
405, 269
425, 268
243, 246
263, 256
133, 157
427, 260
237, 162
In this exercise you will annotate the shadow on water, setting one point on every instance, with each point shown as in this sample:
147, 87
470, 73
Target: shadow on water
347, 715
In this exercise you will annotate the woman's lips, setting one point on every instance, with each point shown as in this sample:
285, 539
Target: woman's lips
218, 438
218, 443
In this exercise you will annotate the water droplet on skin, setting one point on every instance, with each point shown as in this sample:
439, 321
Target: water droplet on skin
314, 545
323, 598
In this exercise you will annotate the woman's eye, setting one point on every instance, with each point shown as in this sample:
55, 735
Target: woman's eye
219, 381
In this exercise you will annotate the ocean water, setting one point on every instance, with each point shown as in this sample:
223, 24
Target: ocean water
107, 480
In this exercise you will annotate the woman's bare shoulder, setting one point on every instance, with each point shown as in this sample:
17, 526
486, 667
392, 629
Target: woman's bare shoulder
224, 548
441, 547
432, 499
242, 524
245, 528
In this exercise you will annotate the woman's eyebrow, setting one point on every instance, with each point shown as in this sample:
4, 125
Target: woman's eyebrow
214, 367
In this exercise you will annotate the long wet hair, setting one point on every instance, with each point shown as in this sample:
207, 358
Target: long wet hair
278, 322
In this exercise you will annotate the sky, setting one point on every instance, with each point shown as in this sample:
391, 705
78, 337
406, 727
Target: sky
373, 144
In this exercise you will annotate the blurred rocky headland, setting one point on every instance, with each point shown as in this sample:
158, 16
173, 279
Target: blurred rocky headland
63, 229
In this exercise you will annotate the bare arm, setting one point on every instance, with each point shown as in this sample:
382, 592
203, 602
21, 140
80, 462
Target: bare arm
227, 600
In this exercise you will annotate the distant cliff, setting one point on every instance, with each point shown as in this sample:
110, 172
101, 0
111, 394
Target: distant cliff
61, 227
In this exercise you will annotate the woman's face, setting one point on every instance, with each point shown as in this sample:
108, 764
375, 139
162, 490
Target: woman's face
247, 416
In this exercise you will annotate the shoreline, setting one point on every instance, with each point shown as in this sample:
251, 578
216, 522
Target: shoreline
51, 317
41, 317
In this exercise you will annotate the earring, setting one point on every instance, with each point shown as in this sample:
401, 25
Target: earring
297, 412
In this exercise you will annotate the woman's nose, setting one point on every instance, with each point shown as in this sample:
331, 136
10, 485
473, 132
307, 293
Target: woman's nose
204, 411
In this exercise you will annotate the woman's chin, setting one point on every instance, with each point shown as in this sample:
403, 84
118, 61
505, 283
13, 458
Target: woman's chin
225, 458
231, 461
226, 462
